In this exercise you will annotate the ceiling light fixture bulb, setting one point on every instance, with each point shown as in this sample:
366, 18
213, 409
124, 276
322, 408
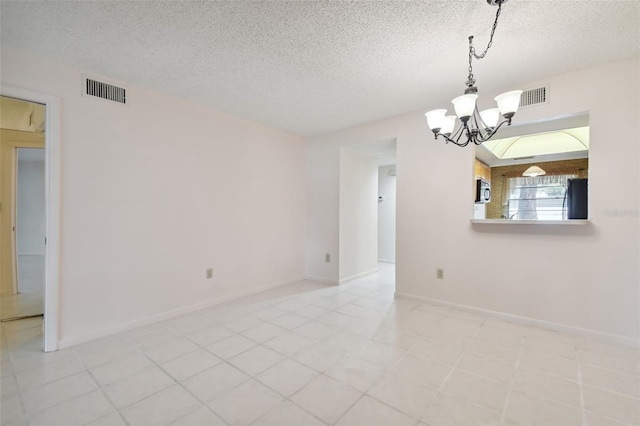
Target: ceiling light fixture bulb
435, 119
464, 106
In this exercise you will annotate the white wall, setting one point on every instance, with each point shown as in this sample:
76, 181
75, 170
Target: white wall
358, 215
30, 226
579, 276
155, 192
387, 214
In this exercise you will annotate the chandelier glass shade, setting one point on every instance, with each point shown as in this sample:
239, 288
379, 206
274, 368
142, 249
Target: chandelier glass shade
534, 171
474, 126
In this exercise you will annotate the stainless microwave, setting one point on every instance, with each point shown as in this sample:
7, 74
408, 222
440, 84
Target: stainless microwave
483, 191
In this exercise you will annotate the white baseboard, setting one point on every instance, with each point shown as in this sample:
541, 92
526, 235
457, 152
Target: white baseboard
356, 276
320, 279
548, 325
108, 331
387, 261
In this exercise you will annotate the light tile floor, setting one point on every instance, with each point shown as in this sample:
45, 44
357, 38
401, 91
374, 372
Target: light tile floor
310, 354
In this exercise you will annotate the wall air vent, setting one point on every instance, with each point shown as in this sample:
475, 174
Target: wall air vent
536, 96
102, 90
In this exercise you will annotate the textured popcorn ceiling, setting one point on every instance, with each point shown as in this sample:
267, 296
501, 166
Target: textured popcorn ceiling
314, 67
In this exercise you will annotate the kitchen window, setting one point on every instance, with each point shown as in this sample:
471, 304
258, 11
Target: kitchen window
538, 198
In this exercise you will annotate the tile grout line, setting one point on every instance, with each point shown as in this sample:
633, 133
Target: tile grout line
323, 373
28, 415
8, 354
181, 385
362, 395
286, 399
286, 356
579, 383
453, 368
455, 365
104, 393
289, 398
141, 352
611, 370
582, 404
558, 376
503, 415
366, 393
102, 388
23, 406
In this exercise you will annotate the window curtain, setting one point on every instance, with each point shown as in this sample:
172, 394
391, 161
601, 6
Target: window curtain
515, 182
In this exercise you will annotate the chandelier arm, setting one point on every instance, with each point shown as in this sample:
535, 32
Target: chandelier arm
456, 135
480, 124
490, 134
464, 130
483, 135
454, 138
459, 134
454, 141
473, 120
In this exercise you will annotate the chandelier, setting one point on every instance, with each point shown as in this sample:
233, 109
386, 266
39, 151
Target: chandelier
476, 127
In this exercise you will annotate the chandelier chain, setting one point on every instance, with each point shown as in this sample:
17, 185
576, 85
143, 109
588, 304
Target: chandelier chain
472, 50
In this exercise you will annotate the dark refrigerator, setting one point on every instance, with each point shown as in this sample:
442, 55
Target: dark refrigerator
577, 199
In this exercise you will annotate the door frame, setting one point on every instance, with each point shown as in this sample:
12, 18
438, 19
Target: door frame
52, 206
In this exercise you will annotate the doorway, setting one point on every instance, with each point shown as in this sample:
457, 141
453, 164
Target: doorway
23, 239
387, 212
30, 229
367, 212
29, 161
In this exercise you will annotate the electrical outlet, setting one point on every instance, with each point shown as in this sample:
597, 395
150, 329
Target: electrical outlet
209, 273
440, 274
327, 258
